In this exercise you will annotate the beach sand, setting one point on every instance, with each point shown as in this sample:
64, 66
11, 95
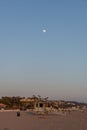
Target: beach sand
74, 121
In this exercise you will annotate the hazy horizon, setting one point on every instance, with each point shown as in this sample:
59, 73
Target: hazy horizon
49, 63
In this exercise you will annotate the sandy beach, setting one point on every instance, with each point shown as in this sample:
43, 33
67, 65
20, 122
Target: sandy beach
74, 121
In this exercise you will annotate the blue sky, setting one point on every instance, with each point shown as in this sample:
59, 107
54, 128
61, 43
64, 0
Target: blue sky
51, 64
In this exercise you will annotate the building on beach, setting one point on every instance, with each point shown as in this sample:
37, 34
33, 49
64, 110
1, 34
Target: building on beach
40, 107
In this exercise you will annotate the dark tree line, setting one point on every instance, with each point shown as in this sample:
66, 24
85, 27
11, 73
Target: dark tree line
11, 101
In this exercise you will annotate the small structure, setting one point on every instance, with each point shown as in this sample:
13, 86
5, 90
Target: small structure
39, 107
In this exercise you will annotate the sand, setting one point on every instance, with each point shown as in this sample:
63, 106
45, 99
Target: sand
74, 121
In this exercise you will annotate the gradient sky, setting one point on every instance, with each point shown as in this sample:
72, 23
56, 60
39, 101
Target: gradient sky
52, 64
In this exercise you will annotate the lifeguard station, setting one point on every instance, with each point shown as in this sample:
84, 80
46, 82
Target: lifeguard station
39, 107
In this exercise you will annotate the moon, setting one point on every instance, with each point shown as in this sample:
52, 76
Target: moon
44, 30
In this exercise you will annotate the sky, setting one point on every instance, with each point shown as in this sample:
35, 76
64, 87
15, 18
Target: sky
51, 63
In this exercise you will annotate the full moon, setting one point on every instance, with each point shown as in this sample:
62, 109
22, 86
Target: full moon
44, 30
